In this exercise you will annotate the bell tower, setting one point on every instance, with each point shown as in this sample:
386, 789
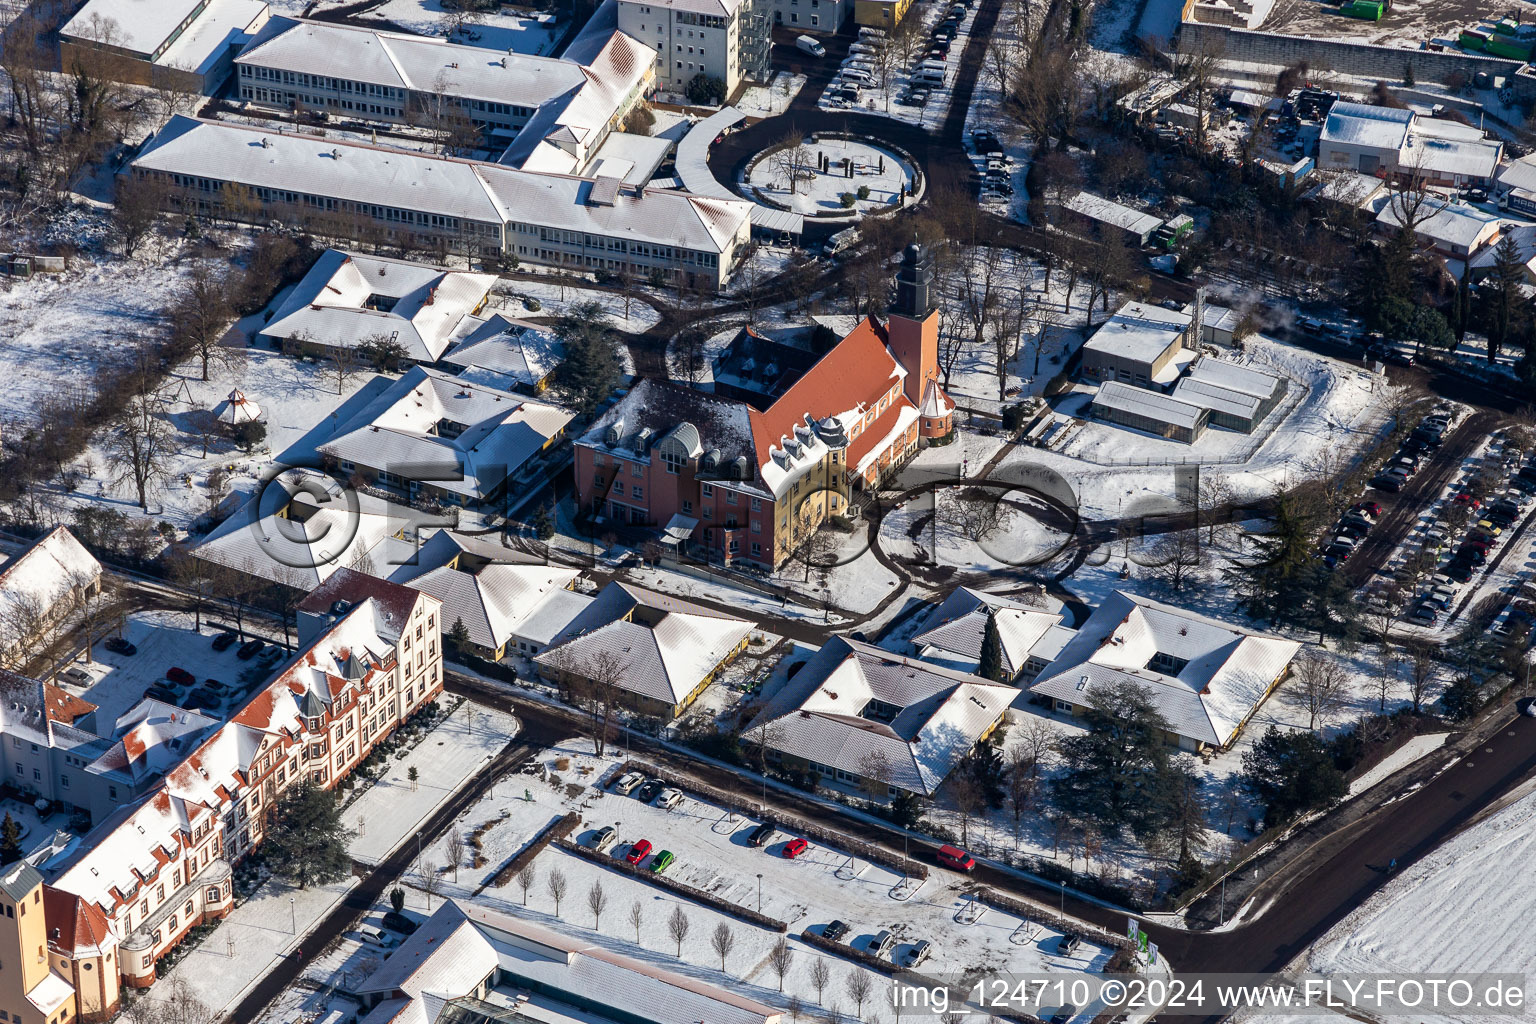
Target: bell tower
914, 325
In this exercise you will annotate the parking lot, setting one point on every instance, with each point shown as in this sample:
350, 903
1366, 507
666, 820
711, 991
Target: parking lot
166, 640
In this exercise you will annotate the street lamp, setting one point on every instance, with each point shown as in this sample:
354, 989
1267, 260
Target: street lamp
293, 916
1063, 902
759, 892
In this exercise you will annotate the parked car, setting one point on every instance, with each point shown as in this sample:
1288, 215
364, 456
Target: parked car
117, 645
180, 676
606, 838
956, 858
662, 861
669, 798
638, 851
203, 700
381, 938
647, 792
835, 931
78, 676
249, 650
763, 834
794, 848
1425, 615
627, 782
1068, 943
918, 953
162, 694
1370, 508
1066, 1013
1354, 531
1388, 483
881, 944
224, 641
396, 921
270, 653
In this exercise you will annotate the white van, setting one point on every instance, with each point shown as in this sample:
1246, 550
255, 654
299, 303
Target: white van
928, 76
870, 33
806, 44
858, 76
933, 65
862, 49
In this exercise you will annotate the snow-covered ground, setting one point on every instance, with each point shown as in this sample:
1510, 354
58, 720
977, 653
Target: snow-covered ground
1460, 909
713, 854
771, 99
634, 314
523, 33
884, 173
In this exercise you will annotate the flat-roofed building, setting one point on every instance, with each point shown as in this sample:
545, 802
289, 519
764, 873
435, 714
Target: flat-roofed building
1151, 411
185, 45
1238, 397
1142, 344
1109, 221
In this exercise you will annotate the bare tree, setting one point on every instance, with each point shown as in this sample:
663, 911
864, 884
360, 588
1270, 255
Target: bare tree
794, 1007
454, 848
677, 927
859, 984
138, 202
557, 884
1176, 560
592, 680
201, 315
1322, 686
792, 161
526, 876
1023, 785
974, 513
636, 918
722, 940
342, 363
1422, 669
597, 902
431, 880
779, 958
821, 976
139, 446
968, 798
875, 774
1215, 495
204, 425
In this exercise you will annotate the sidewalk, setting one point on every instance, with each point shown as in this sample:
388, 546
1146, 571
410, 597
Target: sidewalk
263, 930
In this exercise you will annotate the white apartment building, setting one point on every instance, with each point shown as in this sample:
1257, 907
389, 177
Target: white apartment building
408, 199
724, 39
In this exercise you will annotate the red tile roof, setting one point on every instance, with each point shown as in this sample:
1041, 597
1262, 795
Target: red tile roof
74, 925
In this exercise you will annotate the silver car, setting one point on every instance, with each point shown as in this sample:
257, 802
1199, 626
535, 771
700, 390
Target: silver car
669, 798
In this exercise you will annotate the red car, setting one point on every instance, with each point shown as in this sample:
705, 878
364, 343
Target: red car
638, 852
954, 857
1370, 508
180, 676
795, 847
1466, 499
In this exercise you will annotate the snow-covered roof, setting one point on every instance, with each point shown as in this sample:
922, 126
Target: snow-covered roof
1143, 402
1359, 124
347, 297
666, 646
1440, 154
1107, 211
34, 582
315, 538
1451, 224
504, 352
854, 705
1209, 395
1519, 173
1139, 331
483, 193
446, 957
958, 624
237, 409
1211, 675
716, 8
149, 739
494, 602
458, 436
139, 26
1248, 380
1348, 188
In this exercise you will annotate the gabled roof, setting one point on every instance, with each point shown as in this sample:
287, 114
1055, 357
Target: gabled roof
151, 738
495, 601
347, 297
405, 427
853, 704
1359, 124
1223, 672
76, 927
666, 646
503, 352
35, 580
393, 602
958, 624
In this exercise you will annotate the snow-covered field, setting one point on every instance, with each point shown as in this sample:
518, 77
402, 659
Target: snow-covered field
773, 98
634, 315
1460, 909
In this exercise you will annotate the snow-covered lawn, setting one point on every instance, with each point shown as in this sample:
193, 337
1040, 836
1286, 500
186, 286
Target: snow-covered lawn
931, 524
773, 98
1460, 909
635, 315
713, 854
880, 170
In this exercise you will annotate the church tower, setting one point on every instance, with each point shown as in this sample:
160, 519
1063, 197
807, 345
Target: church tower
914, 339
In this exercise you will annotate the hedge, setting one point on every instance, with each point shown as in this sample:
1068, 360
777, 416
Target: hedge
557, 829
683, 889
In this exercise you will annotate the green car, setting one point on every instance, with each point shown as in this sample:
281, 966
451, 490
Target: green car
662, 861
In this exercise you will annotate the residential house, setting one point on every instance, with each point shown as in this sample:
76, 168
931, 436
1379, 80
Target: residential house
470, 965
860, 716
1205, 677
347, 299
40, 588
883, 14
405, 198
509, 354
1454, 230
723, 39
813, 15
750, 472
660, 652
494, 601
